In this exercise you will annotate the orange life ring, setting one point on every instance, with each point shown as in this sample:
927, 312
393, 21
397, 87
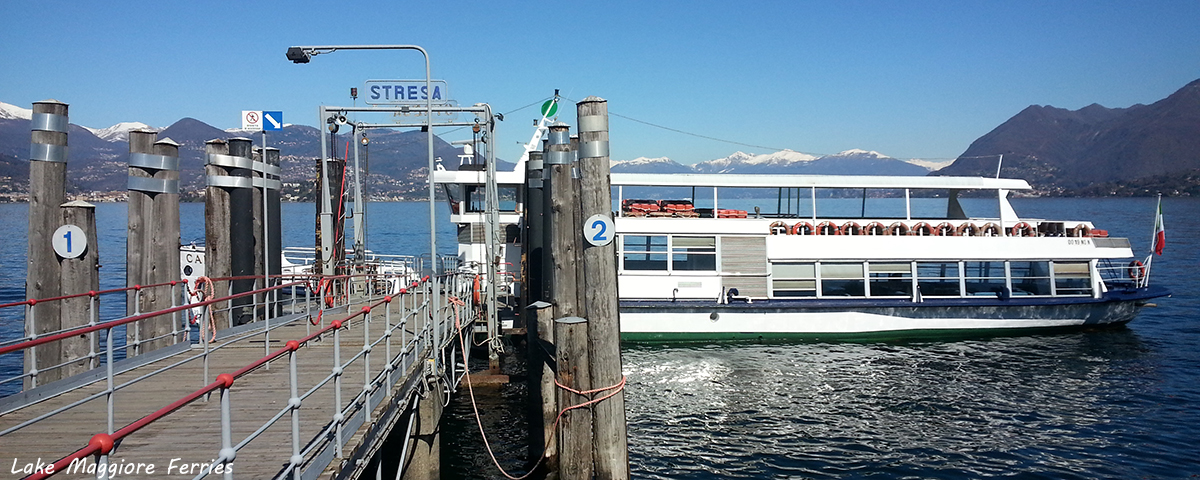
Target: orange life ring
851, 228
1081, 230
778, 228
875, 228
921, 229
898, 228
802, 228
475, 293
945, 229
828, 228
967, 230
1137, 270
1022, 230
990, 230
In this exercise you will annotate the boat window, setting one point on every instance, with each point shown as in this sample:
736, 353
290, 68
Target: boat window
938, 279
793, 280
890, 279
644, 252
476, 198
1072, 278
694, 253
984, 278
842, 280
1030, 278
508, 198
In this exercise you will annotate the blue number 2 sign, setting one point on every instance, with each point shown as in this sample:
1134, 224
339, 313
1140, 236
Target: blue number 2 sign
69, 241
598, 230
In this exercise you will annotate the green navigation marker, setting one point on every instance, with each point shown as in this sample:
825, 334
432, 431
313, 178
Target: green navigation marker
549, 108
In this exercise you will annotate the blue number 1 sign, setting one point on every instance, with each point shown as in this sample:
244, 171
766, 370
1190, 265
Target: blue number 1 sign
598, 230
69, 241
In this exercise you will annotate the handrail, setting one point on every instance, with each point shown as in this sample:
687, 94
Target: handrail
420, 339
122, 321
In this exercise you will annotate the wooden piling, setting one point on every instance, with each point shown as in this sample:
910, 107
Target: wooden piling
575, 428
81, 275
562, 204
47, 191
570, 331
274, 224
216, 224
152, 239
241, 224
610, 449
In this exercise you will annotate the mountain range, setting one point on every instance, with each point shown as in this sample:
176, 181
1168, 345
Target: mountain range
1095, 150
849, 162
1139, 150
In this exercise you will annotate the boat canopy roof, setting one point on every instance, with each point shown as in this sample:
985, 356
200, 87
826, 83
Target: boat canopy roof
817, 181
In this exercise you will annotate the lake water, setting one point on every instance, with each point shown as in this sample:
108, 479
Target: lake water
1111, 403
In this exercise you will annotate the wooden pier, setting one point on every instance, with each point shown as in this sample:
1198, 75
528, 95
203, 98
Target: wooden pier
333, 433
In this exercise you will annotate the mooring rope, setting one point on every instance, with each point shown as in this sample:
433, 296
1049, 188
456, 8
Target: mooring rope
207, 292
618, 388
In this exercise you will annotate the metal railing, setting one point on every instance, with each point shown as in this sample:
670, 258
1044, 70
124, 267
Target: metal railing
413, 329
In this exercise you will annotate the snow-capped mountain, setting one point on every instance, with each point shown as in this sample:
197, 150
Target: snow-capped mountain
849, 162
931, 164
741, 162
14, 112
115, 133
648, 165
118, 132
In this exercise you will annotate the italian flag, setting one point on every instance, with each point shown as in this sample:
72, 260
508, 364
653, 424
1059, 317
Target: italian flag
1160, 232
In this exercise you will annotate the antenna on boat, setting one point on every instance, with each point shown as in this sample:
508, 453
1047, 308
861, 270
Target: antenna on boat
549, 109
998, 164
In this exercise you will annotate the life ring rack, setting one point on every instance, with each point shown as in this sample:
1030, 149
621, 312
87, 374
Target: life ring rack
875, 228
851, 228
802, 228
779, 228
945, 229
921, 229
898, 228
1023, 229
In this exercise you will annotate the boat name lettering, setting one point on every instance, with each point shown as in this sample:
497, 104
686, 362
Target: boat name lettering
1079, 241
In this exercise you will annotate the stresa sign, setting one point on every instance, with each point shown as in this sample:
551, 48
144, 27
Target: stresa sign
405, 92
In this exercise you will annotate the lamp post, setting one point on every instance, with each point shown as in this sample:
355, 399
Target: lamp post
302, 54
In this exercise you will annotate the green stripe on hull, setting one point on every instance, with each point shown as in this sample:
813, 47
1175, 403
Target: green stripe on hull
862, 337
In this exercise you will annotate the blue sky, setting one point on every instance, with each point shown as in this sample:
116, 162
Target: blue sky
908, 79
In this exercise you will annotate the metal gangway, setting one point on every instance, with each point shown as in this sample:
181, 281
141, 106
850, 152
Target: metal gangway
310, 388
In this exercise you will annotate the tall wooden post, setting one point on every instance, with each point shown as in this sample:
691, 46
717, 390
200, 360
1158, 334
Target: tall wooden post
47, 190
274, 222
575, 428
241, 225
537, 318
216, 223
570, 331
610, 449
81, 275
258, 219
152, 240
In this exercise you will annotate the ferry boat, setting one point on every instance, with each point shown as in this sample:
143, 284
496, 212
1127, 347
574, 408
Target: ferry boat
734, 256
